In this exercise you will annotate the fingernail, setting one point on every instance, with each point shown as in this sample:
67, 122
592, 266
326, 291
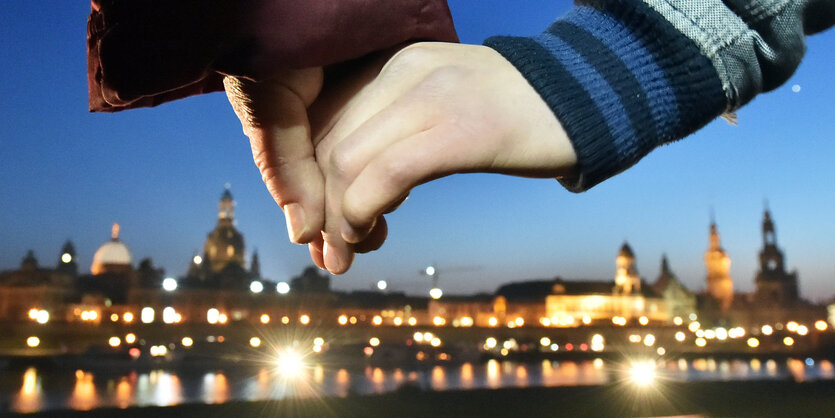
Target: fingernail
294, 216
332, 260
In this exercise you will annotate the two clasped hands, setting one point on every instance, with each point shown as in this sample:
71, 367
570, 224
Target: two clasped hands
340, 147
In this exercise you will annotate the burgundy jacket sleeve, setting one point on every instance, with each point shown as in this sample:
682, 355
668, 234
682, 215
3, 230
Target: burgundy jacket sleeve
142, 53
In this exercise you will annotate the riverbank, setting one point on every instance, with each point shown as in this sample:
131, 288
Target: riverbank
760, 398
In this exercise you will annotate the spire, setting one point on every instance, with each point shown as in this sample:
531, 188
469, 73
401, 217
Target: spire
255, 265
114, 234
665, 267
226, 207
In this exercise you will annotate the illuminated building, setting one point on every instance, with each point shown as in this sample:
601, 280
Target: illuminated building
719, 283
113, 257
224, 245
627, 279
774, 284
34, 287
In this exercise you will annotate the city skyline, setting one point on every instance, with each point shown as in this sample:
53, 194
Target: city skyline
68, 174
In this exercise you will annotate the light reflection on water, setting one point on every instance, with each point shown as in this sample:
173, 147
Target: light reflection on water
36, 390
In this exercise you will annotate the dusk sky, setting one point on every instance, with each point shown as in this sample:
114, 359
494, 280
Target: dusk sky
69, 174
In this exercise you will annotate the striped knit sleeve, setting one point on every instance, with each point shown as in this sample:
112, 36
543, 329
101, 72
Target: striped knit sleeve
626, 76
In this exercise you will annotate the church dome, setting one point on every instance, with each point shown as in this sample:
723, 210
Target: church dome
113, 255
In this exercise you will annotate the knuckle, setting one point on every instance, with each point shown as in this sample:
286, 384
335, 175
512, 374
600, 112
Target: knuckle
343, 162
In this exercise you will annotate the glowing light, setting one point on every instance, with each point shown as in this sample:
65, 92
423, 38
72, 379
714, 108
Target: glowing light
467, 321
304, 319
519, 321
282, 288
643, 320
187, 342
642, 373
377, 320
33, 313
169, 315
680, 336
555, 347
435, 342
147, 315
586, 319
661, 351
802, 330
737, 332
222, 319
792, 326
66, 258
418, 337
700, 333
343, 319
130, 338
318, 341
701, 342
546, 322
430, 271
753, 342
382, 285
33, 342
788, 341
710, 334
721, 334
693, 317
374, 342
492, 321
634, 338
290, 364
286, 320
169, 284
545, 341
597, 342
677, 321
158, 351
265, 319
490, 343
436, 293
114, 317
256, 287
649, 340
255, 342
398, 321
767, 330
42, 317
212, 316
197, 260
821, 325
114, 342
412, 321
694, 326
127, 317
438, 321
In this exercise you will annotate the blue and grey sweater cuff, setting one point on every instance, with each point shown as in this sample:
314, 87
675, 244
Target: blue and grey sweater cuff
621, 80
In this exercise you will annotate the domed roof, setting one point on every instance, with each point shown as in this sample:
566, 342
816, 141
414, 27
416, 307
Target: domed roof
626, 251
112, 253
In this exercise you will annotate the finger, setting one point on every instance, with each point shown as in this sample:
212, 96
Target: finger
275, 119
316, 252
375, 238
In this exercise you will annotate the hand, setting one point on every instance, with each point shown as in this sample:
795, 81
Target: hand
435, 109
275, 115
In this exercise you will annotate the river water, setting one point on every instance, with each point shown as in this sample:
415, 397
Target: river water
36, 390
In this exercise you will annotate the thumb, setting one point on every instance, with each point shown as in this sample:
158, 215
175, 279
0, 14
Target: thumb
274, 116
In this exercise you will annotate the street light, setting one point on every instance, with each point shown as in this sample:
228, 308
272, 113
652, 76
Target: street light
169, 284
256, 287
282, 288
382, 285
436, 293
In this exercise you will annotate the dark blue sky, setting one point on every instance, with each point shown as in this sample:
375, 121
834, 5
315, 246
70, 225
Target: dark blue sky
68, 174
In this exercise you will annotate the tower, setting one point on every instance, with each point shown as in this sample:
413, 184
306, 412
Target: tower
774, 284
224, 245
67, 262
627, 280
719, 283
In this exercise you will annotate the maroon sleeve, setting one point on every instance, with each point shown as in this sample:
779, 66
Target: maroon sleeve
142, 53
